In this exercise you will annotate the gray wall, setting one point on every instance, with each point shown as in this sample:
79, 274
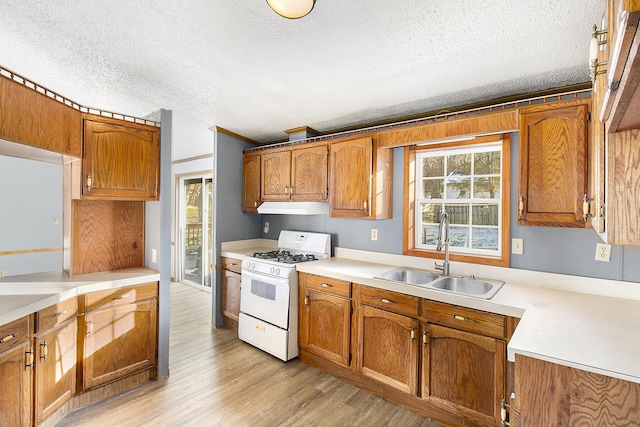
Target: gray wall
229, 221
548, 249
30, 198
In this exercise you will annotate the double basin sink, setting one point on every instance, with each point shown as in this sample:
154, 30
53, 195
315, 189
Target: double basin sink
469, 286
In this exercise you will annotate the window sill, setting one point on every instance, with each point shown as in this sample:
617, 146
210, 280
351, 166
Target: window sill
472, 259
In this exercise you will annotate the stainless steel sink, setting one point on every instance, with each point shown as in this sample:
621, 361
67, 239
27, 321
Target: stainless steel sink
410, 276
468, 286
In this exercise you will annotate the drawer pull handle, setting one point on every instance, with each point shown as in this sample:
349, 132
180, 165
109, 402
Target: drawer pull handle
325, 285
89, 327
503, 413
386, 301
455, 316
44, 351
123, 296
29, 359
7, 338
60, 313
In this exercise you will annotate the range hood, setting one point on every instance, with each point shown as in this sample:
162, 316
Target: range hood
294, 208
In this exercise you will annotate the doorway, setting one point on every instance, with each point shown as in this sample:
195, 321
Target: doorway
196, 213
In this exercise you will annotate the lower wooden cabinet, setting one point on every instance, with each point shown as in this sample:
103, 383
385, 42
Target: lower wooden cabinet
120, 334
231, 284
55, 368
388, 348
463, 372
16, 366
325, 318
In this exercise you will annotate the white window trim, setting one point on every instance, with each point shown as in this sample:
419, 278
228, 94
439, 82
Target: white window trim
467, 149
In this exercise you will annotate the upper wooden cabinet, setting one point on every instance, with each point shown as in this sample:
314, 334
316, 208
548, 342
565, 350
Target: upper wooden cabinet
295, 174
250, 182
32, 118
620, 101
121, 160
360, 181
552, 165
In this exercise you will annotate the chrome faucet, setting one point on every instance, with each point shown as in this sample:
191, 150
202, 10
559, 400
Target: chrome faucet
443, 229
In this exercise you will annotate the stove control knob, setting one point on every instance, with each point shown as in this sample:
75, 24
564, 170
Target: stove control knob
272, 270
277, 271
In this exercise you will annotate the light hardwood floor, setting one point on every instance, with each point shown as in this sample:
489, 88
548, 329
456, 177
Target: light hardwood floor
217, 380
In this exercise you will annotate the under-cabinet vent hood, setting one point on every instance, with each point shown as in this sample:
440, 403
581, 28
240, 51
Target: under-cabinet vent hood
294, 208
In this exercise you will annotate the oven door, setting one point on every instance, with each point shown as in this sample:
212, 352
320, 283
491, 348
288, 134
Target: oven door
266, 298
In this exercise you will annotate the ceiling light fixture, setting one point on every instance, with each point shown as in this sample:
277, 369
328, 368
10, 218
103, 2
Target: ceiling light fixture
292, 9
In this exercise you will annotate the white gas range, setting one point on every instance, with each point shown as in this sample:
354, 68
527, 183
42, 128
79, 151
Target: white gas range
269, 293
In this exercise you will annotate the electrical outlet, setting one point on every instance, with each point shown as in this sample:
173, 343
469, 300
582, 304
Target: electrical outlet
374, 234
4, 274
603, 252
56, 221
517, 246
154, 255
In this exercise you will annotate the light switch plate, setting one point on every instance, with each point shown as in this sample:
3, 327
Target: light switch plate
517, 246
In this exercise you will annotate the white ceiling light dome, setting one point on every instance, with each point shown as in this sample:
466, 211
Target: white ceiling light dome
291, 9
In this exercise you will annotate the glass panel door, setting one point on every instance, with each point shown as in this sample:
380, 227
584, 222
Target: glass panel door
196, 219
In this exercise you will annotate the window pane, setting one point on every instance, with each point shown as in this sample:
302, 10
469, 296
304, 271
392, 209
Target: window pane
458, 188
486, 188
433, 166
433, 188
487, 163
431, 213
458, 237
485, 238
429, 235
458, 214
485, 215
459, 164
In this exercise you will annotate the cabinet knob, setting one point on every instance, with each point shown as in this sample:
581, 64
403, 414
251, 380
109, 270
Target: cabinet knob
386, 301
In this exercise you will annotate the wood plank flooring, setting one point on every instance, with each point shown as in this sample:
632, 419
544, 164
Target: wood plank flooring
217, 380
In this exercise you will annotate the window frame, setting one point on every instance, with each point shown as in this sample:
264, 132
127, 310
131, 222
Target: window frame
409, 210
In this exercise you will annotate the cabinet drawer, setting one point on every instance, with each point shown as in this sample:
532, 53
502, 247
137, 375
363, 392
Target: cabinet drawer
389, 300
55, 314
231, 264
120, 296
329, 285
14, 333
466, 319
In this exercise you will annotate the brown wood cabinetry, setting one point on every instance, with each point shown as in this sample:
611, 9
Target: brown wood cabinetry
231, 284
463, 372
548, 394
250, 182
16, 364
387, 340
32, 118
121, 160
55, 344
119, 327
360, 179
295, 174
552, 165
325, 318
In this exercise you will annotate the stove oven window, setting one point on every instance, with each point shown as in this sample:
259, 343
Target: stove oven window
263, 290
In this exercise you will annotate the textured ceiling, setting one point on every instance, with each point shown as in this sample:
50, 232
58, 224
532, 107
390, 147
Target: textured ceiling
238, 65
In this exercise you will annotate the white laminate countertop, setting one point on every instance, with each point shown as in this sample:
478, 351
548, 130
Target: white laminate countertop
595, 332
25, 294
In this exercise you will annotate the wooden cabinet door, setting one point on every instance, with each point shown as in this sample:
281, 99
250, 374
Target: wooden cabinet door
350, 178
55, 370
309, 174
231, 284
33, 118
553, 164
388, 348
276, 175
325, 326
250, 183
121, 160
463, 372
119, 341
16, 389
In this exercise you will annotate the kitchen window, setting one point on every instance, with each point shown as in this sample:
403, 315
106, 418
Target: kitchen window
470, 181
